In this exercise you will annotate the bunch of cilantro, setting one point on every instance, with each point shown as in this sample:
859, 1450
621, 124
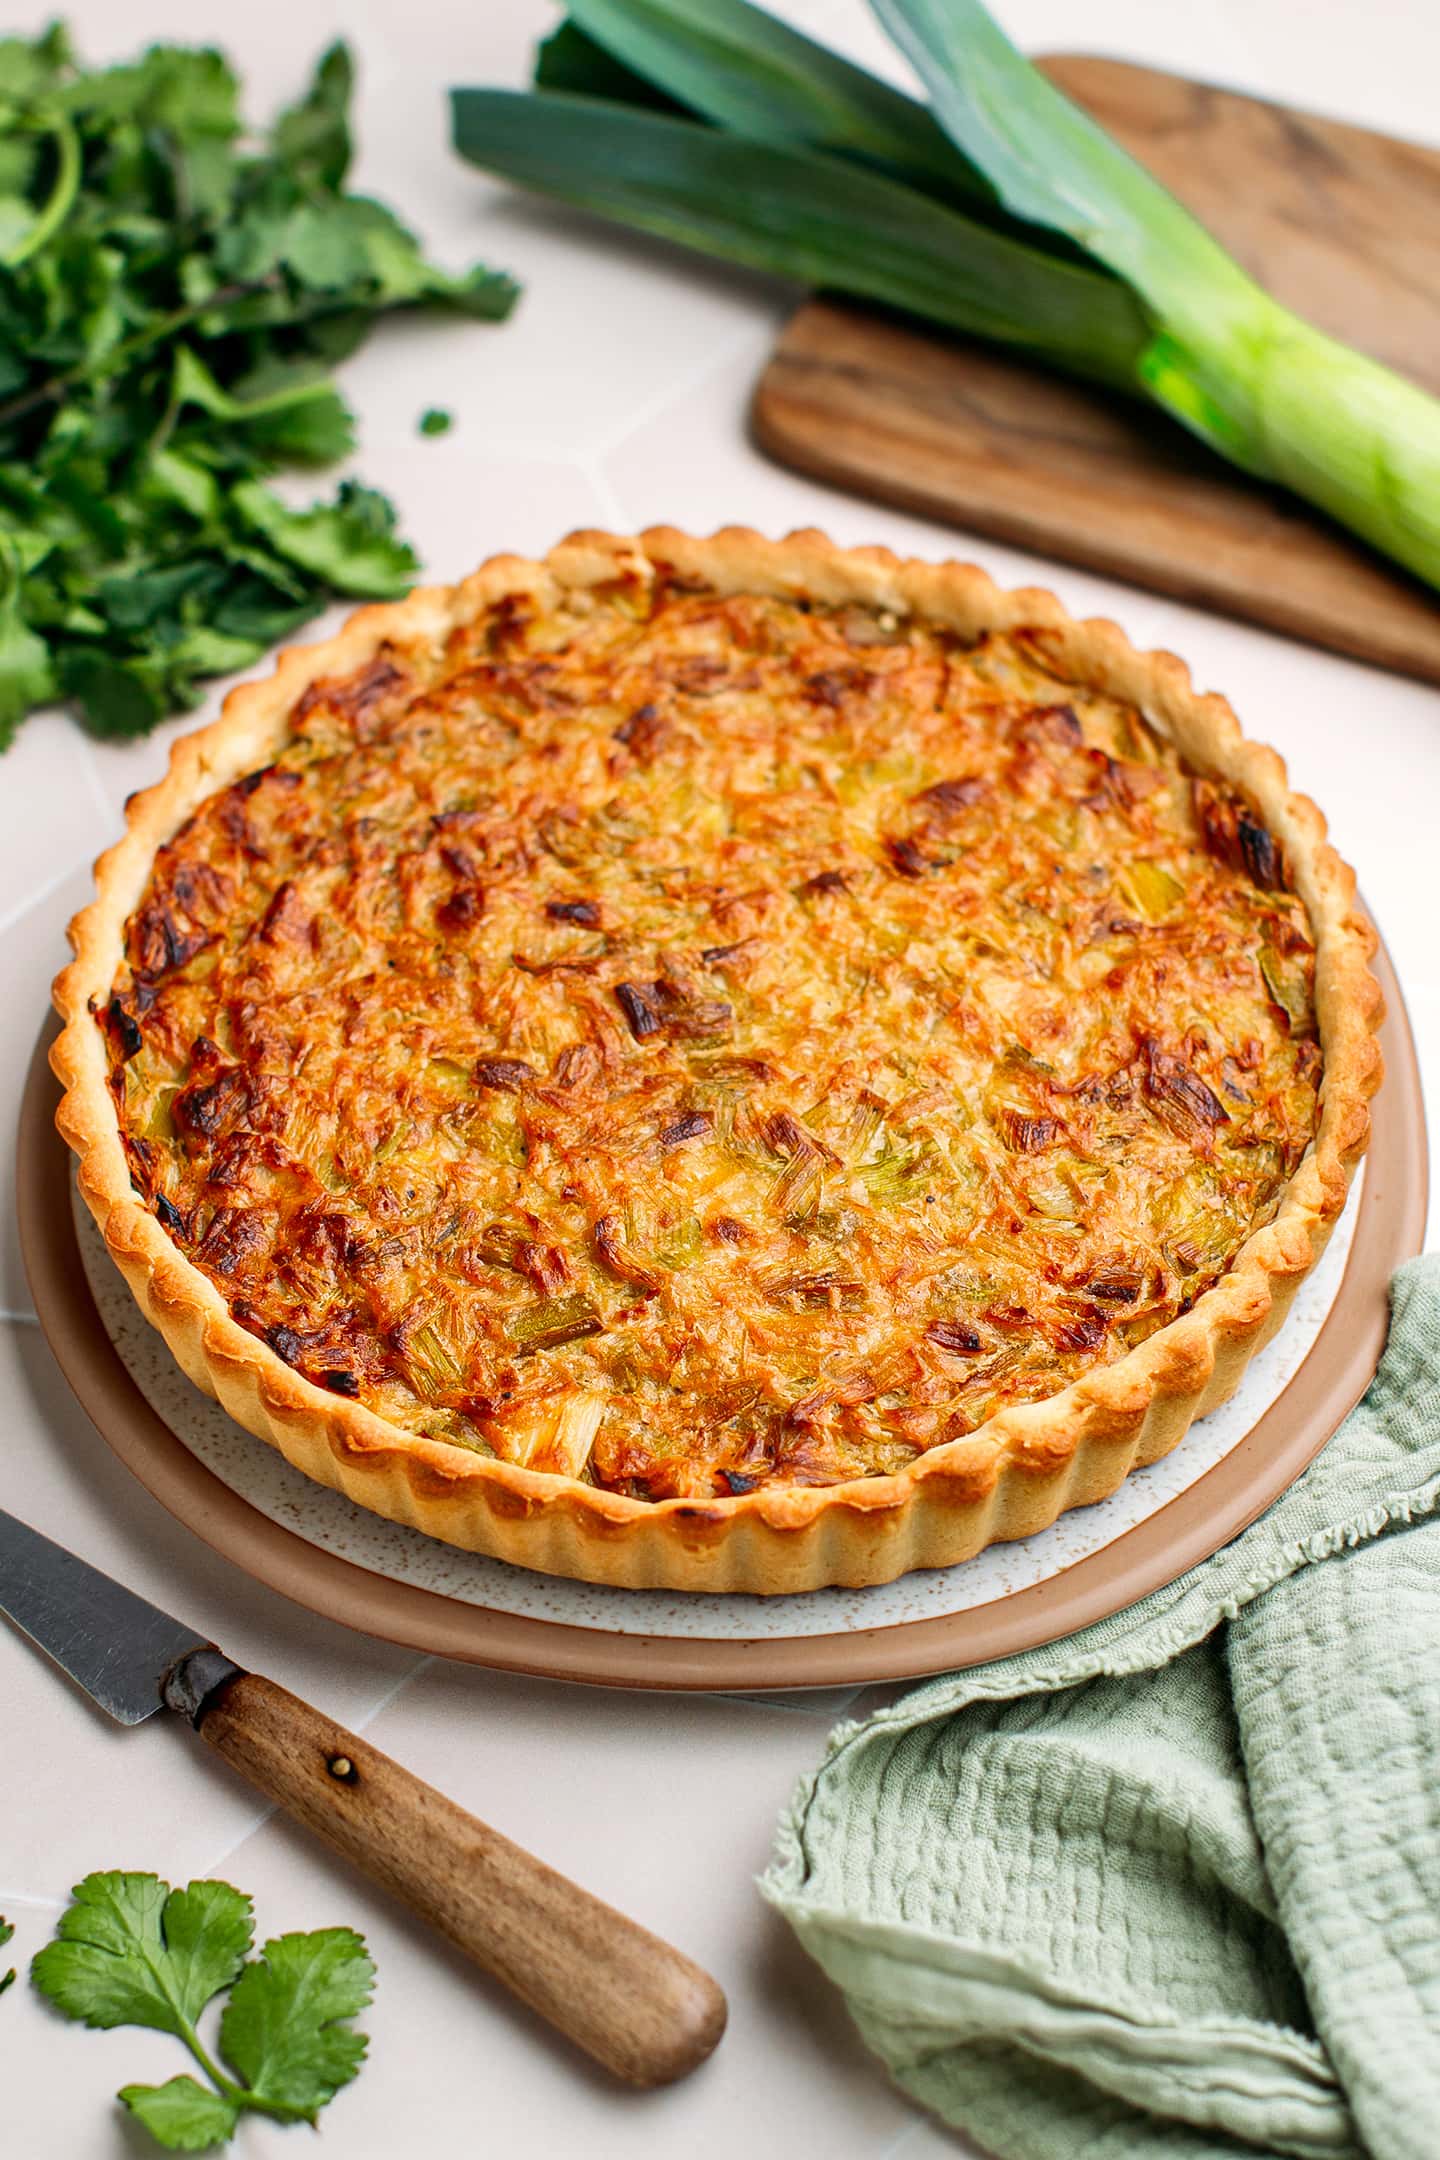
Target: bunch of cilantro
129, 1950
174, 292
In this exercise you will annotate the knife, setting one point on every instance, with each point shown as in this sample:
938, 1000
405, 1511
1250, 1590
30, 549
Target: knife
631, 2001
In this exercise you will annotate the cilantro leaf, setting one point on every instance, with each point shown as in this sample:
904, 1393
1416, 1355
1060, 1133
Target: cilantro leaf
313, 136
175, 290
115, 696
435, 420
6, 1931
183, 2116
26, 675
105, 1968
284, 2028
285, 410
208, 1930
129, 1950
350, 543
323, 248
27, 70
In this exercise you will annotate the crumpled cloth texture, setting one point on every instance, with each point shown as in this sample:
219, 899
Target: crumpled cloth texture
1170, 1889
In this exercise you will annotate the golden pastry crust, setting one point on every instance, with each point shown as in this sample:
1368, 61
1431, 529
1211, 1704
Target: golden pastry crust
913, 1305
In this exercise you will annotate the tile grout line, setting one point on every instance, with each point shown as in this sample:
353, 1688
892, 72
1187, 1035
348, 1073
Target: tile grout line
593, 472
384, 1701
98, 796
256, 1822
686, 386
791, 1703
39, 897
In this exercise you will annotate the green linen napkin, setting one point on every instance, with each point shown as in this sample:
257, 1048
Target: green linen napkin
1170, 1890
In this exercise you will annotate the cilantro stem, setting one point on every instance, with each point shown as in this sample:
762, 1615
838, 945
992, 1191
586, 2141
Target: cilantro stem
240, 2096
163, 327
155, 333
62, 196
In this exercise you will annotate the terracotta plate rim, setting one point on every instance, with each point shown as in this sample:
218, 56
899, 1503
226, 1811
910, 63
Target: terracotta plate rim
1389, 1228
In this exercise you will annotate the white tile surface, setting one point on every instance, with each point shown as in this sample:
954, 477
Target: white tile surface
49, 793
617, 392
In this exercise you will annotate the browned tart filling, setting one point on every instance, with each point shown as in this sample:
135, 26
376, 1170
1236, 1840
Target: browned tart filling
691, 1043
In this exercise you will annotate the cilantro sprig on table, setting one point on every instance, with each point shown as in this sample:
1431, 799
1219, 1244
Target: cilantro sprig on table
131, 1951
174, 292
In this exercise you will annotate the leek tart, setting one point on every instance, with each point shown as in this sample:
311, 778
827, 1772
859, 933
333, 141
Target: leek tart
726, 1064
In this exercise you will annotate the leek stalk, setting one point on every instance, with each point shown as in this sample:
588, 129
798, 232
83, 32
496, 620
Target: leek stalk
1000, 210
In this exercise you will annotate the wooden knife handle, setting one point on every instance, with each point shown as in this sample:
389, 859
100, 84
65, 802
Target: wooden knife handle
634, 2003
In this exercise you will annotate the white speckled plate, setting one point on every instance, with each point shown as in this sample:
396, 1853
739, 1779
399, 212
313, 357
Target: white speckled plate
253, 1469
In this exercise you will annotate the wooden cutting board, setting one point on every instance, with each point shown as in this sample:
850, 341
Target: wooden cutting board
1341, 224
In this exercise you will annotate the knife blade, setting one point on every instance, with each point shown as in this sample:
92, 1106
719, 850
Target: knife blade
118, 1646
635, 2003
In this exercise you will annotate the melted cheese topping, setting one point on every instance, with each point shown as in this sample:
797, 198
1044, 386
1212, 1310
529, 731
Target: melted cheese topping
689, 1042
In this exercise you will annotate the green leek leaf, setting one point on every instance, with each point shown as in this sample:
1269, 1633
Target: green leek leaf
1049, 162
569, 60
748, 72
803, 216
554, 1321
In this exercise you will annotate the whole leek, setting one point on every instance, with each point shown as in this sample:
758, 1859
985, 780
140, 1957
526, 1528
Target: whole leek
1001, 210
